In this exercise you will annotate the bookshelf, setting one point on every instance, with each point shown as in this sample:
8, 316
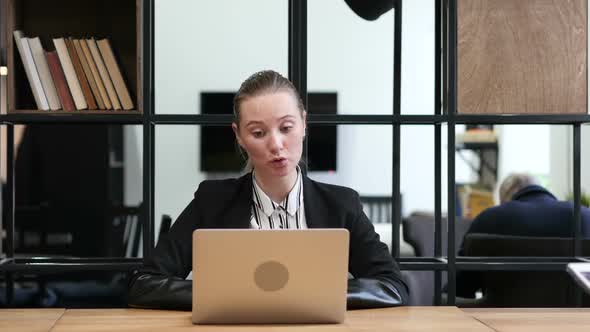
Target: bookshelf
122, 23
119, 21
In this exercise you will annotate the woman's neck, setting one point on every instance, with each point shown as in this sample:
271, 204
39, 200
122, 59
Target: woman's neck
277, 188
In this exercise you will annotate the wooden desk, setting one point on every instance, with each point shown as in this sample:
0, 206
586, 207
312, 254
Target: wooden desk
29, 320
537, 319
391, 319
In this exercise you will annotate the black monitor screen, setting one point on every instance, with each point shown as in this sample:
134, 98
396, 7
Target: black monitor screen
219, 152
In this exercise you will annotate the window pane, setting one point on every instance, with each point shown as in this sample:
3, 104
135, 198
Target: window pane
540, 151
213, 46
358, 157
183, 160
418, 57
85, 180
350, 56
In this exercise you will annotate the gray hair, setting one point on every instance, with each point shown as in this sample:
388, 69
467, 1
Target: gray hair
514, 183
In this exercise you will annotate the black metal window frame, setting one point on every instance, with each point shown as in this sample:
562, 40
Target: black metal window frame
445, 95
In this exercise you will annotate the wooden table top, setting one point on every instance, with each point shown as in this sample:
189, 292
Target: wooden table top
533, 319
29, 320
390, 319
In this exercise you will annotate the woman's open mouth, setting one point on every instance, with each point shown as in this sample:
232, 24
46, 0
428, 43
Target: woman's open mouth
279, 162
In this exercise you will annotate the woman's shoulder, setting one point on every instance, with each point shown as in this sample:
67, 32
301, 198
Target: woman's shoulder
223, 186
343, 195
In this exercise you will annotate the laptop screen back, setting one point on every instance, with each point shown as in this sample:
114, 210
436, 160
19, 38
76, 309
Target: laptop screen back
269, 276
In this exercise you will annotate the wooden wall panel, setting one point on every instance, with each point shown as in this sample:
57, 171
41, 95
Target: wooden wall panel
522, 56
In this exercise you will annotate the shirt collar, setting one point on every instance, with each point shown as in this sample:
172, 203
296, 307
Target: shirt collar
291, 203
531, 190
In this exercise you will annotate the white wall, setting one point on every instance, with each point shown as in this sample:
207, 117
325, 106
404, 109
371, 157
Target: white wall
214, 45
561, 176
524, 148
354, 57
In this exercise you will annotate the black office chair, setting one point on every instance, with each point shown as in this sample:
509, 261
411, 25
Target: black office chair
525, 288
418, 231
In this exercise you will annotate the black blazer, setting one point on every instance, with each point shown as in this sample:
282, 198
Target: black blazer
161, 283
532, 211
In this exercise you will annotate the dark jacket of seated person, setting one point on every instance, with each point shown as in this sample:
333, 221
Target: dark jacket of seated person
227, 204
532, 211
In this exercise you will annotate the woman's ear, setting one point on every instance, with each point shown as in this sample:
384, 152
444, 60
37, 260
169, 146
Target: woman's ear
236, 130
304, 124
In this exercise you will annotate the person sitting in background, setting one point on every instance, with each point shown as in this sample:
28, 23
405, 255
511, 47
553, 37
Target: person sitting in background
526, 209
269, 125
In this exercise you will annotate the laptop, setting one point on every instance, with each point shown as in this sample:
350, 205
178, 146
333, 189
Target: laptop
247, 276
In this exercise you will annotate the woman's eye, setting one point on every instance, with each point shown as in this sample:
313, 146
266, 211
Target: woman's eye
286, 129
257, 134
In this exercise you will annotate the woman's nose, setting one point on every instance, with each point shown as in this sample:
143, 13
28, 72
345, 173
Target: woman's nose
275, 143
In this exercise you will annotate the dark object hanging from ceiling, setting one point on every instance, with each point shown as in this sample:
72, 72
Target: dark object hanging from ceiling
370, 9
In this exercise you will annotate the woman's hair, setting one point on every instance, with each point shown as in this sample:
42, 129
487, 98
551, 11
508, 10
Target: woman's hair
260, 83
514, 183
263, 82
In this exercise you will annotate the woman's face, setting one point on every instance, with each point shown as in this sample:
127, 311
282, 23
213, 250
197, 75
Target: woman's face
271, 131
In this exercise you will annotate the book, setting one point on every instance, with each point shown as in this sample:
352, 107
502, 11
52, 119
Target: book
26, 56
43, 69
70, 73
104, 75
59, 79
474, 201
99, 84
80, 74
115, 73
88, 73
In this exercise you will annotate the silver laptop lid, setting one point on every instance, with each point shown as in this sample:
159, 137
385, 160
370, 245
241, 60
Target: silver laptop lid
269, 276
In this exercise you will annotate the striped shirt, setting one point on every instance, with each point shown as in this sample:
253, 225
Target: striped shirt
288, 214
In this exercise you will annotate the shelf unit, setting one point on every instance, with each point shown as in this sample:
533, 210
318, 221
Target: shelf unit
137, 45
120, 23
485, 152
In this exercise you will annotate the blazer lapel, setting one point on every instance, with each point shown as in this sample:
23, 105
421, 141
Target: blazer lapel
238, 214
317, 214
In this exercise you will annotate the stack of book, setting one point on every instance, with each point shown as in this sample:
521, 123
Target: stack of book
474, 200
81, 74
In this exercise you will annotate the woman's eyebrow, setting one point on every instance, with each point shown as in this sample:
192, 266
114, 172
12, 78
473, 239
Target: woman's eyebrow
253, 122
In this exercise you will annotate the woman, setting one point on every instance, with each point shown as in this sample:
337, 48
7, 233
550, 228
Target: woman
269, 126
